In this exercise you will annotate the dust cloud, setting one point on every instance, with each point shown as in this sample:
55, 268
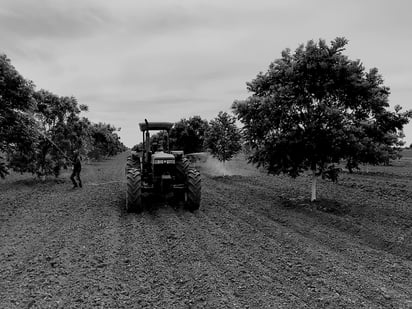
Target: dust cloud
214, 167
208, 164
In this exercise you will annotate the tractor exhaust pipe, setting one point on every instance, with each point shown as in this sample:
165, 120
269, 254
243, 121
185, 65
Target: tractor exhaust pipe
147, 146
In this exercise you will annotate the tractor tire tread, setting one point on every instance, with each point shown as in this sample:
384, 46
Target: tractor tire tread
134, 190
182, 168
194, 186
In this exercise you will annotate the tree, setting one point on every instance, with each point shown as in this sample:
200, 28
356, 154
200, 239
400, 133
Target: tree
316, 108
188, 134
39, 130
104, 141
61, 132
160, 139
16, 96
223, 137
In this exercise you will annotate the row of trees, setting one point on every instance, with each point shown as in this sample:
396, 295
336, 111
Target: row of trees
313, 110
39, 130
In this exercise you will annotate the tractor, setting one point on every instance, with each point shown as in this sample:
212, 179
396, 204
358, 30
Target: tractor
156, 170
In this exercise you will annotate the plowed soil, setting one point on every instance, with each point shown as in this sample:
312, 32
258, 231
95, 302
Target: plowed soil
255, 242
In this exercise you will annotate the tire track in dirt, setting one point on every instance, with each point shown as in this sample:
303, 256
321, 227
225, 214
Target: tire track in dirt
50, 261
200, 283
357, 223
257, 220
148, 274
27, 239
283, 262
91, 253
252, 280
321, 255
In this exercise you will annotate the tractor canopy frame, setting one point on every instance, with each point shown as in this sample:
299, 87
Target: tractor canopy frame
155, 126
146, 126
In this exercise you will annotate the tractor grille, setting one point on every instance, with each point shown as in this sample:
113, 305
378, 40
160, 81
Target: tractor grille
161, 169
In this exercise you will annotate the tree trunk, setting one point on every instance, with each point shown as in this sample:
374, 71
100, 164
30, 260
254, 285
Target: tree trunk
314, 179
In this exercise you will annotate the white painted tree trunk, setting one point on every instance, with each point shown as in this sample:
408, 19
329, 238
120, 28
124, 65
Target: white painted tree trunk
314, 179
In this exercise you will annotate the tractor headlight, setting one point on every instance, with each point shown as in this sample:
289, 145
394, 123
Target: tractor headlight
164, 161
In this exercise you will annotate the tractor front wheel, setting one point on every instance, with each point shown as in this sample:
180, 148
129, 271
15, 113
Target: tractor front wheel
134, 190
182, 168
193, 190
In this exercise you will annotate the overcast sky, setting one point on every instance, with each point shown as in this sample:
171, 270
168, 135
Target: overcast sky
170, 59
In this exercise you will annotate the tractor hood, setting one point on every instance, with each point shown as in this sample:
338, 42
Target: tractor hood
161, 157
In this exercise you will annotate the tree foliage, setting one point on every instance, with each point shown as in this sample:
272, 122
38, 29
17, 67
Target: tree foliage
17, 133
189, 134
40, 130
16, 94
104, 141
316, 108
160, 139
223, 137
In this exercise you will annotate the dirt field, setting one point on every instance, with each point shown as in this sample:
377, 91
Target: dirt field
256, 242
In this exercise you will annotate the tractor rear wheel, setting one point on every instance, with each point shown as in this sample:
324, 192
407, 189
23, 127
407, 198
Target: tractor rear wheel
134, 190
132, 161
129, 165
193, 190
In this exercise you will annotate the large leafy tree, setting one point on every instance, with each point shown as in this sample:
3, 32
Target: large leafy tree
39, 130
223, 137
17, 133
16, 94
61, 131
189, 134
316, 108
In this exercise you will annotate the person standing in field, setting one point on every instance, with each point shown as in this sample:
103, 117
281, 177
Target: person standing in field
77, 167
